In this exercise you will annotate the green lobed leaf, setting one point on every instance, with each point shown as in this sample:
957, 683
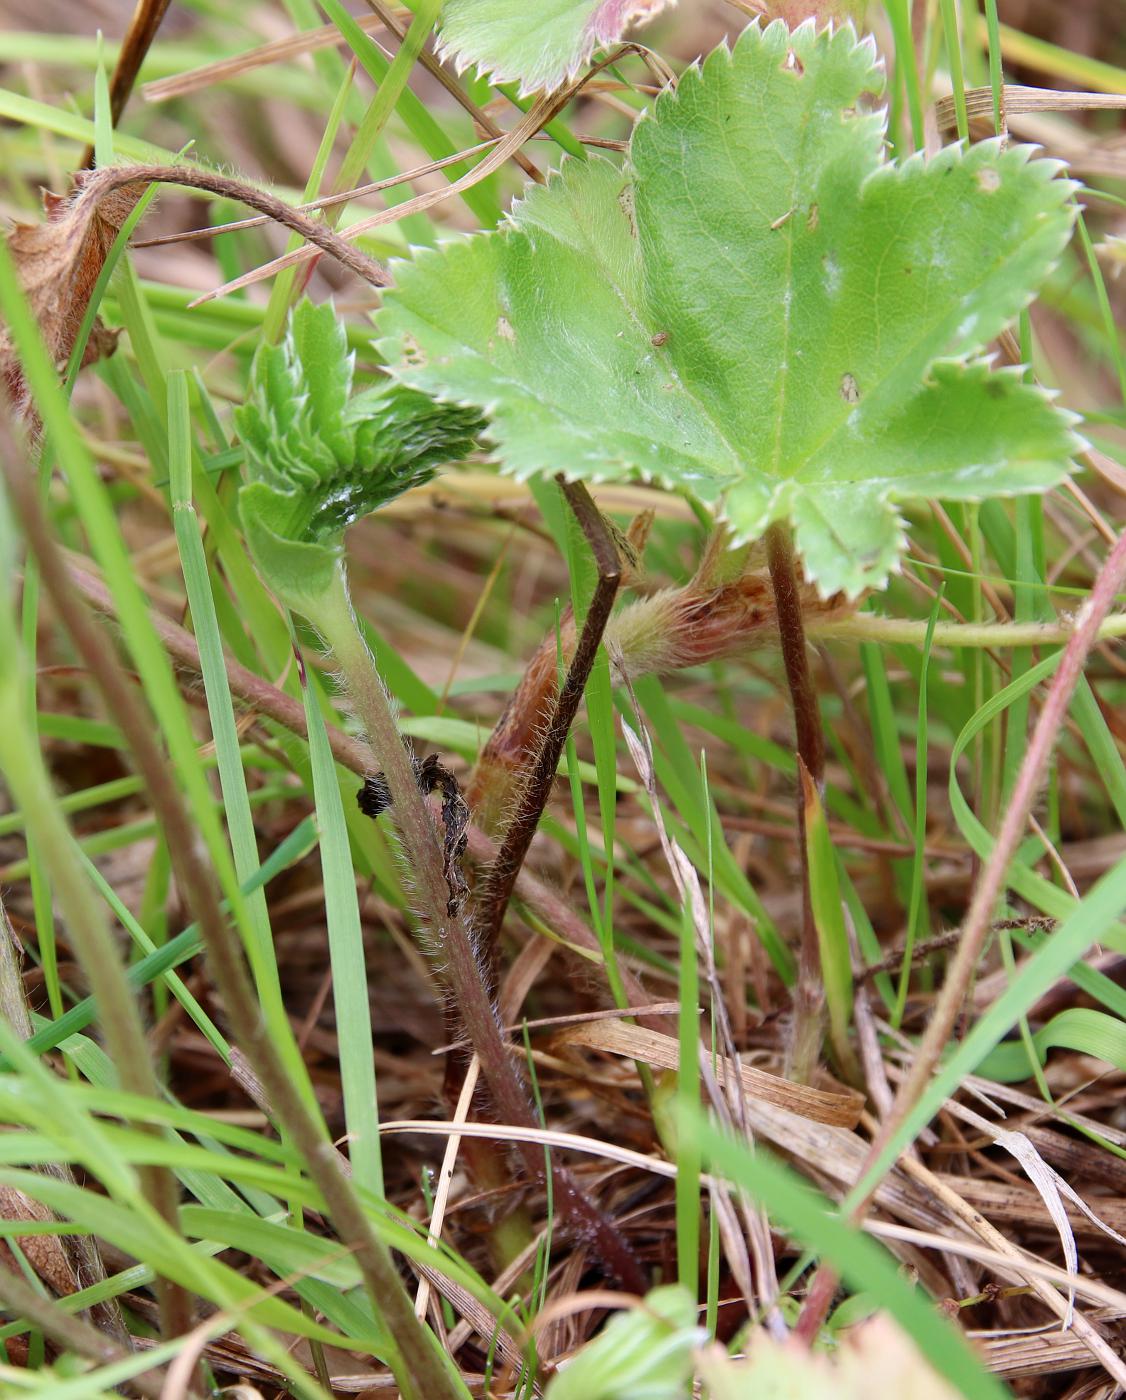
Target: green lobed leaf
318, 458
539, 46
760, 309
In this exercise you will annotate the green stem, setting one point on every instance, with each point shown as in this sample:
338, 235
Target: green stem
868, 627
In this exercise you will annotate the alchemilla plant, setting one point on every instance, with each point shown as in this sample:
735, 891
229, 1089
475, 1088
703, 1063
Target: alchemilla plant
759, 309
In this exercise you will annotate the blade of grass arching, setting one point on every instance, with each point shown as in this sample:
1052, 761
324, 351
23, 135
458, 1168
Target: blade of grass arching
916, 913
346, 952
196, 1013
688, 1158
1086, 1032
813, 1221
1087, 925
177, 950
220, 710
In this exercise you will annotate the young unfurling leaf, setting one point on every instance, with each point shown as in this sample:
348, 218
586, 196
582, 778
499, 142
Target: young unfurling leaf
319, 457
760, 309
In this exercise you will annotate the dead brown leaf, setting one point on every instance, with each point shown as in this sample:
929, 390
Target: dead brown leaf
58, 262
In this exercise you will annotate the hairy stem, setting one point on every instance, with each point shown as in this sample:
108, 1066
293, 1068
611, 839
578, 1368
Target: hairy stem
268, 700
809, 992
500, 879
446, 926
103, 182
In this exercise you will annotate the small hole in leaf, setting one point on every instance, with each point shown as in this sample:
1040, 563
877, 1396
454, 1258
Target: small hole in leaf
850, 392
793, 64
988, 180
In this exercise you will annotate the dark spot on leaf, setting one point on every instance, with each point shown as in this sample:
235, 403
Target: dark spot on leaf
626, 204
659, 339
994, 389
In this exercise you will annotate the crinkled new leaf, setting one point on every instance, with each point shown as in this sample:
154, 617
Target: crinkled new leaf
319, 457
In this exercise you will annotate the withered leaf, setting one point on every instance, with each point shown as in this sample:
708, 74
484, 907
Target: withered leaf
59, 261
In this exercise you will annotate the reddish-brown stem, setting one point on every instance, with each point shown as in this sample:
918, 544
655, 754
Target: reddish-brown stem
97, 185
791, 634
497, 885
809, 992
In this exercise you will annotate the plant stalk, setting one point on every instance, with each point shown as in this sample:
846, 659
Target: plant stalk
448, 930
501, 876
809, 990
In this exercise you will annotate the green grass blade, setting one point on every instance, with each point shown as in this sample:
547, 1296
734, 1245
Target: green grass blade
813, 1221
349, 971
